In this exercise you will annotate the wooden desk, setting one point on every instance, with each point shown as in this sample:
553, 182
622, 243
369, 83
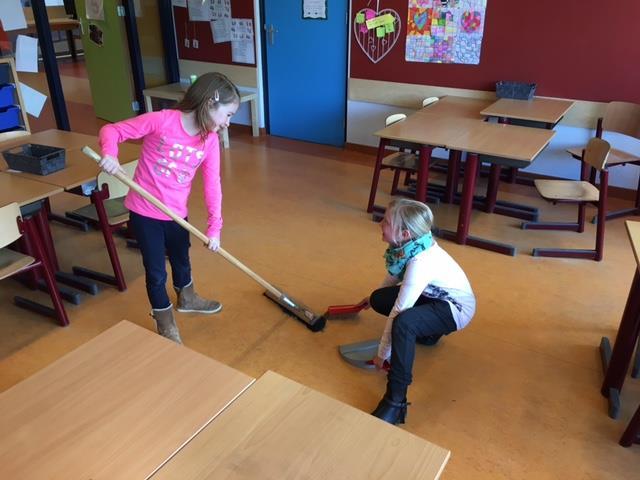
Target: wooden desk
425, 129
503, 143
56, 24
520, 145
79, 169
459, 107
175, 91
544, 110
616, 363
116, 408
24, 191
281, 429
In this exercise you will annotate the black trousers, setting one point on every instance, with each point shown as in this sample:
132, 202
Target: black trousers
426, 322
158, 239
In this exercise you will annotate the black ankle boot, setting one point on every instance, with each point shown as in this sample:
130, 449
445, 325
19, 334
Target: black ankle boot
390, 411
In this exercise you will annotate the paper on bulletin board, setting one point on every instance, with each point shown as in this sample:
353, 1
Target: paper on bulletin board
12, 15
221, 30
242, 45
179, 3
95, 9
199, 11
314, 9
33, 100
220, 9
439, 32
26, 54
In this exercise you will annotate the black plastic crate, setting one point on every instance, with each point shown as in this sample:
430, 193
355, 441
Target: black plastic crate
33, 158
515, 90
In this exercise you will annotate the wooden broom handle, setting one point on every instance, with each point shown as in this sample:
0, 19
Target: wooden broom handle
184, 224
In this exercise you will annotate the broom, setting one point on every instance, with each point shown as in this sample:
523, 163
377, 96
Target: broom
313, 322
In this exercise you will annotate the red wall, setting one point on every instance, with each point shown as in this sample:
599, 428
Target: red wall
581, 49
207, 51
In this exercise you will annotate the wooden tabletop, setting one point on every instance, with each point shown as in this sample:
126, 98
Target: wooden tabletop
427, 129
24, 191
460, 107
547, 110
54, 24
175, 91
507, 141
633, 230
281, 429
470, 135
79, 168
116, 408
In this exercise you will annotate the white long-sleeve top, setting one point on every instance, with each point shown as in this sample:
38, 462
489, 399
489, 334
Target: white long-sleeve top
435, 274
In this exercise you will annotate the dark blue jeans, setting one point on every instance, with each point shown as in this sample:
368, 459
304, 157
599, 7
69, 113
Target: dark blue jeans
426, 322
157, 239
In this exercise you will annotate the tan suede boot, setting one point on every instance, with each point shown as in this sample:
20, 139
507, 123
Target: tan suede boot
190, 301
166, 324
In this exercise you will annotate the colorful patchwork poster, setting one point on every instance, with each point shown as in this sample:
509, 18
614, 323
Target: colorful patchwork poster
445, 31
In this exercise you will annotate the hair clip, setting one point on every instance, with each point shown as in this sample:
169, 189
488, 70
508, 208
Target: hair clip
216, 96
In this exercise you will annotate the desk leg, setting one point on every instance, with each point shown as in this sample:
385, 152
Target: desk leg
466, 202
631, 434
461, 235
42, 223
97, 198
148, 104
72, 45
453, 173
423, 173
617, 366
376, 173
40, 255
492, 188
255, 127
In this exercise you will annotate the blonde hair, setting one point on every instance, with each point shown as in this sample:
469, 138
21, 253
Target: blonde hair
410, 215
209, 90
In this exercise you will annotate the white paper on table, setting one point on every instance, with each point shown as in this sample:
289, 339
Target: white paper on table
12, 15
179, 3
199, 10
95, 9
220, 9
26, 54
221, 30
33, 99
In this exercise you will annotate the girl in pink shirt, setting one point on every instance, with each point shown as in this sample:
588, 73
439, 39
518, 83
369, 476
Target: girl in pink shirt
175, 144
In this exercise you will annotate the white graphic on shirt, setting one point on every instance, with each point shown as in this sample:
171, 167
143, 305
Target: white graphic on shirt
182, 163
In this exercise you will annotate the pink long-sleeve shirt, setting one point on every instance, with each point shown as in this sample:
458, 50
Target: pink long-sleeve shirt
168, 162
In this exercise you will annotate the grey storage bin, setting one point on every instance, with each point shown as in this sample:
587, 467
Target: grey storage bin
33, 158
515, 90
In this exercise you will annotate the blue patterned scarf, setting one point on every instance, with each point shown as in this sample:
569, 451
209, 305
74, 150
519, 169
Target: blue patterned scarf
396, 258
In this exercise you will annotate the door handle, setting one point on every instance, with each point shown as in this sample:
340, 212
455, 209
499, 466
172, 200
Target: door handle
271, 32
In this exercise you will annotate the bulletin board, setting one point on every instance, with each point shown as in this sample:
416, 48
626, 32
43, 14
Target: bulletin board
207, 51
571, 49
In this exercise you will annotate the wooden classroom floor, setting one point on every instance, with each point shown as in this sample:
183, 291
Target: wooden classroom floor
514, 395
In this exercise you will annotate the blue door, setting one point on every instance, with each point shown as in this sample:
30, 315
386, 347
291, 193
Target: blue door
306, 72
